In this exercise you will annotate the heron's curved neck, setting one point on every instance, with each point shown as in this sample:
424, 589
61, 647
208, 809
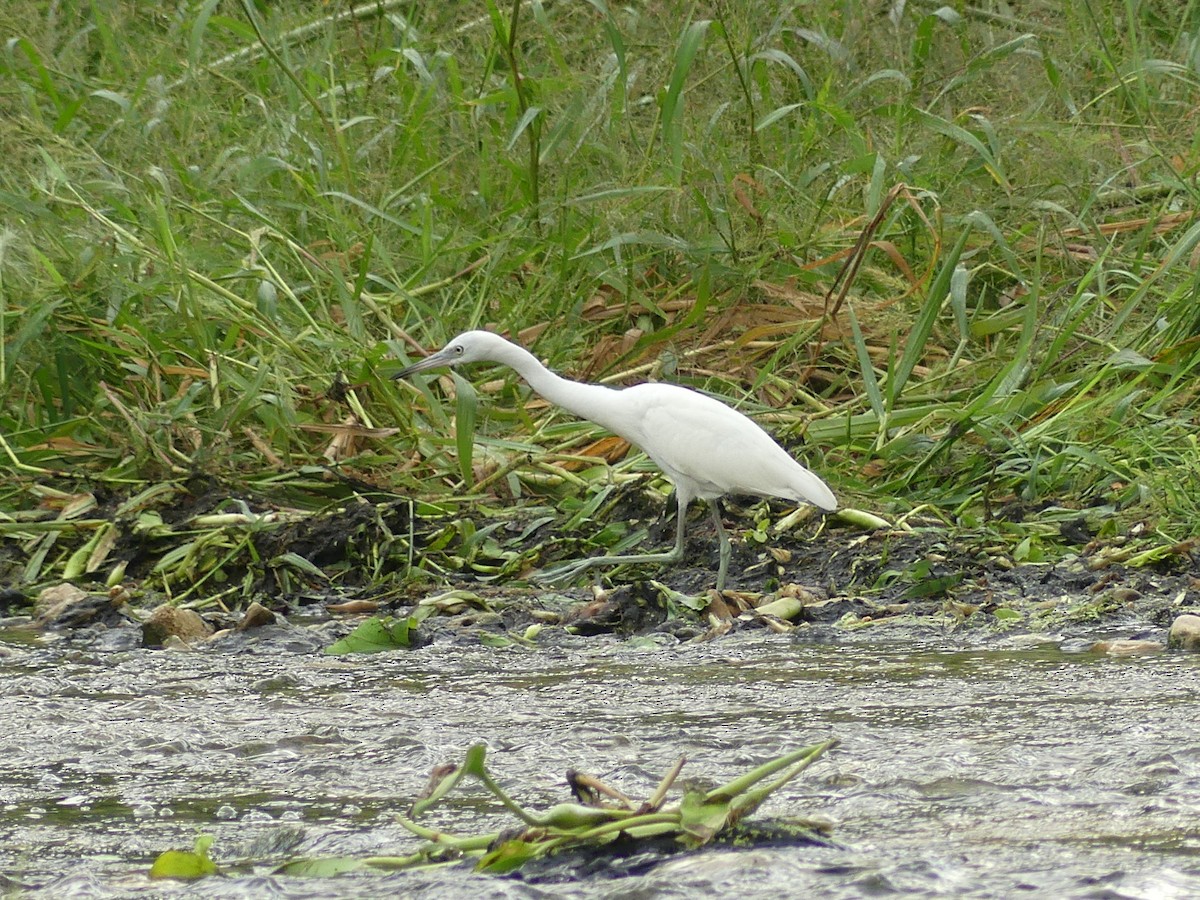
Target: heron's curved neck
595, 402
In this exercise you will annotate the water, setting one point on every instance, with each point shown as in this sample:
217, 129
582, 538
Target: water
961, 773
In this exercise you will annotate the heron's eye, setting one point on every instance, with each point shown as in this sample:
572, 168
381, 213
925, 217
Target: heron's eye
459, 350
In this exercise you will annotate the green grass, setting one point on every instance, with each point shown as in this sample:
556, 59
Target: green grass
221, 222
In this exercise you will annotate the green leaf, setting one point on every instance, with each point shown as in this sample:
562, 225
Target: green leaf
932, 587
474, 764
186, 865
775, 115
694, 602
701, 819
672, 104
376, 635
33, 327
618, 47
914, 348
45, 81
321, 868
196, 33
508, 857
1156, 555
576, 816
965, 138
298, 562
867, 369
980, 65
525, 121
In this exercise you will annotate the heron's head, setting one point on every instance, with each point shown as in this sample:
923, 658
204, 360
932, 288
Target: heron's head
468, 347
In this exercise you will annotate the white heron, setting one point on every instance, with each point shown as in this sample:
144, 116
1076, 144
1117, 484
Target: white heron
706, 449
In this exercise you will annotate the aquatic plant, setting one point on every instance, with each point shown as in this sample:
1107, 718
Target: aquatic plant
600, 820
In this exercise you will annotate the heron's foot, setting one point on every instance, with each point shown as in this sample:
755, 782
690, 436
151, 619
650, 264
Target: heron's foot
564, 573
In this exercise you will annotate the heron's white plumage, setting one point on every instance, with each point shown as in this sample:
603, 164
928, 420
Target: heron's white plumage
706, 448
715, 450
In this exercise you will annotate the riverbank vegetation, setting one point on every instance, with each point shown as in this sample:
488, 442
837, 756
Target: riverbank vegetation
948, 254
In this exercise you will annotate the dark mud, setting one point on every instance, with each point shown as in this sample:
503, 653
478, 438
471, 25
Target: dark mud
386, 555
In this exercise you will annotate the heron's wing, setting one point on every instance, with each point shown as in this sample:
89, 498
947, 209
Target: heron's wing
709, 449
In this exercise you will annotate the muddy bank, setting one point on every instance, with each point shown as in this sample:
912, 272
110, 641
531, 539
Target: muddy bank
220, 553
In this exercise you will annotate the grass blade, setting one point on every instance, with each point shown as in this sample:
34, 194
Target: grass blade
672, 102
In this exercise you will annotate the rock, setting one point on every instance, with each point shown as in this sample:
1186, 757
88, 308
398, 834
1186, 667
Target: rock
1032, 640
1123, 647
826, 612
53, 599
629, 609
354, 607
1185, 632
65, 606
168, 621
10, 600
255, 616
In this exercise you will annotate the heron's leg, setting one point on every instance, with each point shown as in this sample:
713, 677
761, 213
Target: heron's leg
714, 507
567, 571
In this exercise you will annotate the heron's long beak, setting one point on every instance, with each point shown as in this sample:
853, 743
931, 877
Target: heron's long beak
441, 358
